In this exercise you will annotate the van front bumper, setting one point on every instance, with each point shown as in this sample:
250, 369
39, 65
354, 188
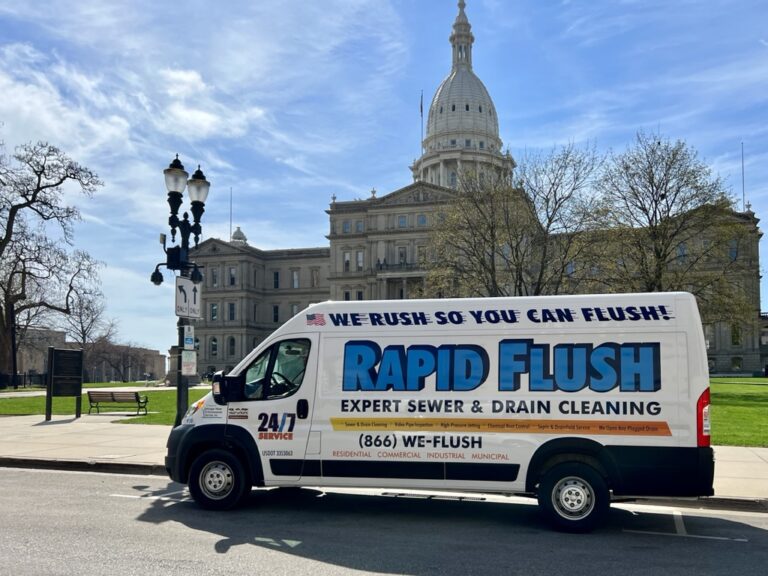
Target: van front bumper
173, 458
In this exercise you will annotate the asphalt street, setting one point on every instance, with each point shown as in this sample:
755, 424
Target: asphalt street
56, 522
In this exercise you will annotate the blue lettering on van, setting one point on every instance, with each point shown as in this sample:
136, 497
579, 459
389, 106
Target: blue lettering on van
457, 368
632, 367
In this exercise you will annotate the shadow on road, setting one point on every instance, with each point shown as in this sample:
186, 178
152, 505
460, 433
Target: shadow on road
420, 536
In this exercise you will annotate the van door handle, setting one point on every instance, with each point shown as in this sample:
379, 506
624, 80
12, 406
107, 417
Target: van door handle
302, 409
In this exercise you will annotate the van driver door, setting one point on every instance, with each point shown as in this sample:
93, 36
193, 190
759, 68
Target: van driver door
279, 390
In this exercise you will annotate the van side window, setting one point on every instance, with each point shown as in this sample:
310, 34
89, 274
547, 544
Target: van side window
278, 371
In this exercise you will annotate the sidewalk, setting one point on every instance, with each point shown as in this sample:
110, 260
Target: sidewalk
93, 442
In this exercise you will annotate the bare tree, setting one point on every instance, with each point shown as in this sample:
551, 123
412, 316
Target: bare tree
669, 224
503, 236
37, 272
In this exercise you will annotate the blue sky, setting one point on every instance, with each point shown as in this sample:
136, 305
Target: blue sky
288, 102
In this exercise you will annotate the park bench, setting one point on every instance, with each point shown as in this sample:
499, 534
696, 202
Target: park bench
98, 397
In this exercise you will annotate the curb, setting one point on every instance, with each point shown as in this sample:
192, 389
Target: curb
101, 466
730, 503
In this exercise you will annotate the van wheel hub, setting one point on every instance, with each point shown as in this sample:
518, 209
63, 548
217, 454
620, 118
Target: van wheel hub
573, 498
216, 480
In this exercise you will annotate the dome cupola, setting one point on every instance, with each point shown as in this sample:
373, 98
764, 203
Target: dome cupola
462, 127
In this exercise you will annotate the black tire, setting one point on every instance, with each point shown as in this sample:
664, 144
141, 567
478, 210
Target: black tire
218, 480
574, 497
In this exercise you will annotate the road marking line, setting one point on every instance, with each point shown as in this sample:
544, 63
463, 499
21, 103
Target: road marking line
686, 535
150, 497
679, 524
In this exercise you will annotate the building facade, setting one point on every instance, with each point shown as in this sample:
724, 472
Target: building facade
247, 293
378, 245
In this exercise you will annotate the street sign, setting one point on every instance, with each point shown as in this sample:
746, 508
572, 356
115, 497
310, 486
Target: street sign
189, 337
188, 363
188, 297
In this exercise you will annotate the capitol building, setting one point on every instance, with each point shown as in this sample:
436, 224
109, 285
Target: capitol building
378, 245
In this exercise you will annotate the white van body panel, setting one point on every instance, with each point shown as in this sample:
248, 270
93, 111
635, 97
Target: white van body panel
479, 395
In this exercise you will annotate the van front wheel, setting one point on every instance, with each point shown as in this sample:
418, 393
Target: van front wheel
218, 480
574, 497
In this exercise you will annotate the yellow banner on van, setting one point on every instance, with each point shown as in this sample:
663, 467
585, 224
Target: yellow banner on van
506, 426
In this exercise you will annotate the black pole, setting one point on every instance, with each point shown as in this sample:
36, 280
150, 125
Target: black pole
182, 385
14, 365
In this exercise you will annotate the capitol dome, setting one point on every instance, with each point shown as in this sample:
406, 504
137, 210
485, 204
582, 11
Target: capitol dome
462, 126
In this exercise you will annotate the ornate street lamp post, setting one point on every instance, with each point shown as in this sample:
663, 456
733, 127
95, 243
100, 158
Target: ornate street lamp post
177, 257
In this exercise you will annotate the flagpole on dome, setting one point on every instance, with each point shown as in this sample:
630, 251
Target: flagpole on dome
421, 114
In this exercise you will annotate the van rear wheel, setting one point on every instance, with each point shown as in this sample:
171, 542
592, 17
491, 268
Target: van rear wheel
218, 480
574, 497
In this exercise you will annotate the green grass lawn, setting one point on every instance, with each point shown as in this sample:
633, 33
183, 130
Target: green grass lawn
161, 406
85, 386
739, 409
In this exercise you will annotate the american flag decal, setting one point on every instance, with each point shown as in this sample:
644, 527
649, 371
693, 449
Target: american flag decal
315, 319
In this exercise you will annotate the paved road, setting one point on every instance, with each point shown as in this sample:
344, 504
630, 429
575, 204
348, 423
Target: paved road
84, 523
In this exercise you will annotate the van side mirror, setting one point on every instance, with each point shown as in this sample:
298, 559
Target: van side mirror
226, 389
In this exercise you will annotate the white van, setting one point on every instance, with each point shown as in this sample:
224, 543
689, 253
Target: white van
568, 398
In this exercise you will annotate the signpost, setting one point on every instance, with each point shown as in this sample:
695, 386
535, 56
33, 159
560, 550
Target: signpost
188, 297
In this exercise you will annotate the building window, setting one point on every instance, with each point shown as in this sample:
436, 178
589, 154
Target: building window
231, 346
294, 309
466, 107
214, 277
421, 252
347, 295
232, 275
214, 312
453, 142
709, 336
359, 294
453, 108
347, 261
359, 226
231, 311
467, 143
315, 277
452, 180
402, 221
421, 220
346, 227
360, 261
482, 143
214, 350
275, 313
733, 250
480, 108
295, 278
276, 279
570, 268
735, 335
682, 253
736, 364
402, 255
